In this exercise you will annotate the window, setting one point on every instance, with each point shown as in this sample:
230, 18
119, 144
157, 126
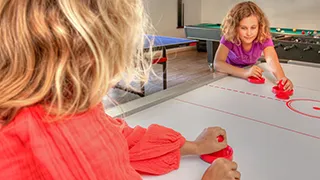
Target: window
180, 14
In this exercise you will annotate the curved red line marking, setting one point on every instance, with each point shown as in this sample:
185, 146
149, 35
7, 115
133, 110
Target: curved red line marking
299, 112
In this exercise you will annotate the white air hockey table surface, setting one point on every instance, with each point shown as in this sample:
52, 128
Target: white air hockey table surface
272, 139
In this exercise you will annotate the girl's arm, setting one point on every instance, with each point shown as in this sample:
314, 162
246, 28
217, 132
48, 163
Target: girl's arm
272, 59
273, 62
221, 65
157, 149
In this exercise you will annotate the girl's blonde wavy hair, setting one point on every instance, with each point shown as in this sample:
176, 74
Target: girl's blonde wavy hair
240, 11
67, 54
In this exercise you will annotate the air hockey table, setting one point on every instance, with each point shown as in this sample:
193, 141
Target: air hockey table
272, 139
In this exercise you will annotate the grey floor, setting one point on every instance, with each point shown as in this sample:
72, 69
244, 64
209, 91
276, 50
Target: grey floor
188, 66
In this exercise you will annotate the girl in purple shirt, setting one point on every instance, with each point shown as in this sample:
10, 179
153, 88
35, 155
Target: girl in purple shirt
246, 35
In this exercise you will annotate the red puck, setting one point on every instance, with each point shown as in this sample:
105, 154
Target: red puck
277, 90
255, 80
224, 153
282, 95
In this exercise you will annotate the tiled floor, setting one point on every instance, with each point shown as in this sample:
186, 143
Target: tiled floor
182, 67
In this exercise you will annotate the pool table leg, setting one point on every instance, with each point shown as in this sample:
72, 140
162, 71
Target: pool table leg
210, 54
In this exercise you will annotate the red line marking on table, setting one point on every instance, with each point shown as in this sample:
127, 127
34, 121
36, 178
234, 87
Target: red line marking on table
250, 119
316, 108
248, 93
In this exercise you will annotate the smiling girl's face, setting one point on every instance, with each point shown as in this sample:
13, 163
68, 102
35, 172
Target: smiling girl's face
248, 29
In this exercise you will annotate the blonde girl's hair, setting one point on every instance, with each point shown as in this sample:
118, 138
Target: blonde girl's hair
67, 54
240, 11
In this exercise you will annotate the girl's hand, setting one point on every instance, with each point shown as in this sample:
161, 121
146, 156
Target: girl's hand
254, 71
207, 142
222, 169
287, 84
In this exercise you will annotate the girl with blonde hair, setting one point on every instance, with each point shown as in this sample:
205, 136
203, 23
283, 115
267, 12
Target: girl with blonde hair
58, 58
245, 36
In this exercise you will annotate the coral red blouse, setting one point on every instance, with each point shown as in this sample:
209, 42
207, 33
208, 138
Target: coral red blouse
90, 145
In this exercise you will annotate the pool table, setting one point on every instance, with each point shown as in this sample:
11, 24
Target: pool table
274, 30
211, 34
295, 32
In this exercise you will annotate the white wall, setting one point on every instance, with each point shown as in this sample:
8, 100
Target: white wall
163, 14
281, 13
